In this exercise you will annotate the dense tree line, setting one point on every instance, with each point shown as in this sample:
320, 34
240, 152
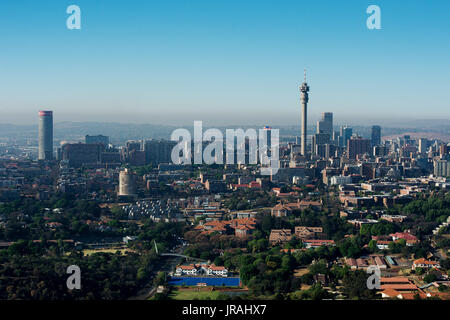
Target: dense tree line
38, 271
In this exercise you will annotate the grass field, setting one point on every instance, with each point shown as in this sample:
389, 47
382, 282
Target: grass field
191, 295
87, 252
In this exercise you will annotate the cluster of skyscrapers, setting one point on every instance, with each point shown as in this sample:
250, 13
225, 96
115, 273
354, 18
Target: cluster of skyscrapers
326, 141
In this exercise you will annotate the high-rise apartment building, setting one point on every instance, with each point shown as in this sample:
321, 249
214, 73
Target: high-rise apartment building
441, 168
356, 146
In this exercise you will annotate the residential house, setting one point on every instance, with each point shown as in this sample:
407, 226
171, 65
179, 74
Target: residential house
308, 232
425, 264
280, 236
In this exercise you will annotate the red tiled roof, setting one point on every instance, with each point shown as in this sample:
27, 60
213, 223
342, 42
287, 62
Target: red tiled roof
216, 268
390, 292
218, 228
412, 295
424, 261
351, 262
388, 280
383, 242
403, 235
186, 267
399, 286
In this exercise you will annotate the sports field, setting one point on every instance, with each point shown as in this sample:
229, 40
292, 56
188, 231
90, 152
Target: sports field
192, 294
87, 252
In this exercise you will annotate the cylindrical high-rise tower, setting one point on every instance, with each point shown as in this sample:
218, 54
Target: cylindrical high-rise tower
126, 183
45, 135
304, 89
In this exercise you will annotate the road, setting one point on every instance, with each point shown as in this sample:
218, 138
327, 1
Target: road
169, 263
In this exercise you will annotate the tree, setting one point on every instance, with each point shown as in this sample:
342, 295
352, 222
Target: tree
419, 271
372, 246
118, 213
316, 292
365, 230
218, 261
267, 223
246, 272
320, 266
446, 263
430, 278
355, 286
350, 247
287, 262
161, 279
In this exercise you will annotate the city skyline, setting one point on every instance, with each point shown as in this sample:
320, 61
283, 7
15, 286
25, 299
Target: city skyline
223, 59
225, 155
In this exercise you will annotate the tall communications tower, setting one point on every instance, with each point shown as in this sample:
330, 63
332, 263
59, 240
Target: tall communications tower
304, 89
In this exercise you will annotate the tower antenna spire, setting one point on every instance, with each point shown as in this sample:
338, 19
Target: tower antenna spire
304, 74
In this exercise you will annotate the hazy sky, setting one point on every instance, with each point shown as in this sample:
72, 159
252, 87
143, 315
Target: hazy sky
233, 61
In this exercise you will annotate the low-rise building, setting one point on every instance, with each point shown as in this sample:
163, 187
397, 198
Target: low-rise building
280, 236
426, 264
283, 210
314, 243
410, 238
189, 270
307, 232
201, 269
393, 218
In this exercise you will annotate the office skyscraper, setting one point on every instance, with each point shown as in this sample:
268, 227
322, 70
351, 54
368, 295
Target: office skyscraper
268, 131
423, 145
376, 135
45, 135
346, 133
325, 125
304, 89
319, 140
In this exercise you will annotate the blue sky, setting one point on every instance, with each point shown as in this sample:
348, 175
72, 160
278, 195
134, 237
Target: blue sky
224, 62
